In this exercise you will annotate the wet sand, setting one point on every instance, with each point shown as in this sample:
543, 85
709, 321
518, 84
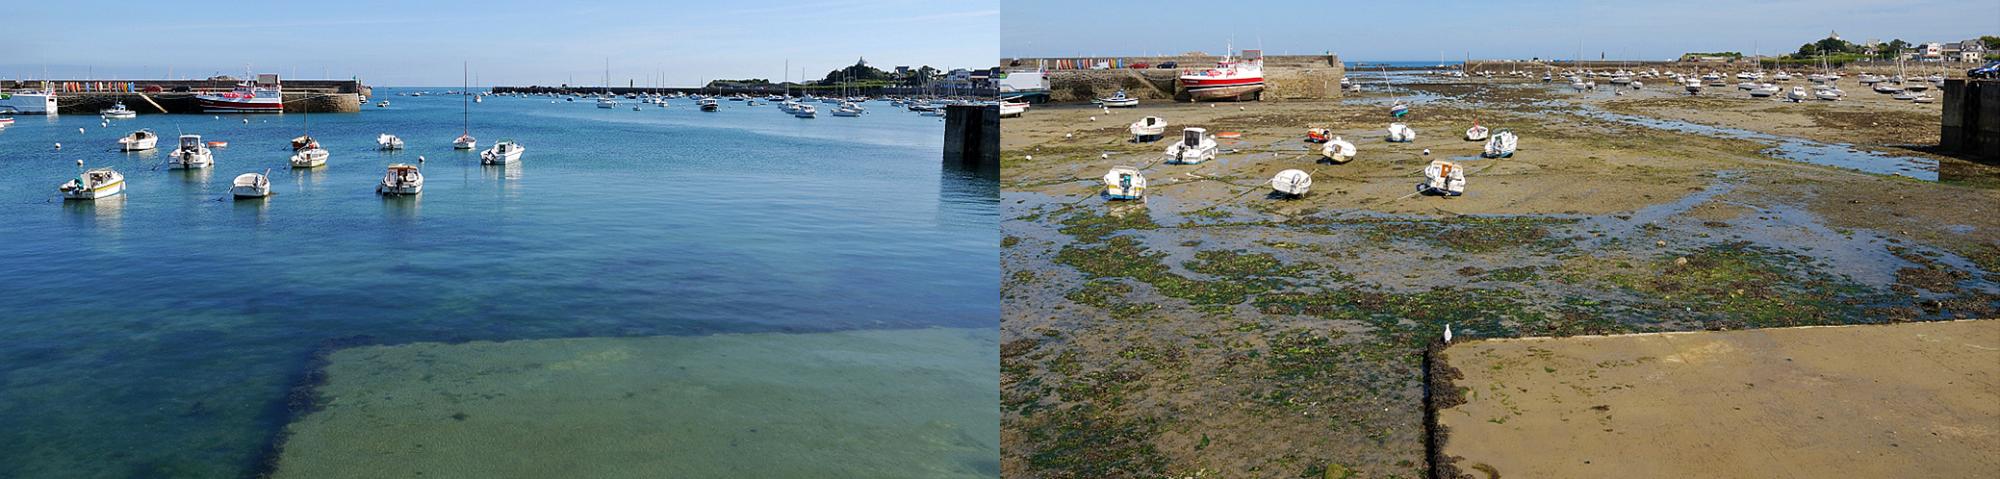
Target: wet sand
1216, 329
1924, 401
894, 403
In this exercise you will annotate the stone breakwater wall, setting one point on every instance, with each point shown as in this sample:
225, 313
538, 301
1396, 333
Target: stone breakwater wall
302, 102
1286, 77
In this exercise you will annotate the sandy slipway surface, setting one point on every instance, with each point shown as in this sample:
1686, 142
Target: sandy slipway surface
888, 403
1904, 400
1215, 330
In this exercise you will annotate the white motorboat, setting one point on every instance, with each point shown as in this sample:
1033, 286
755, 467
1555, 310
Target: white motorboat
1338, 151
251, 185
118, 112
93, 184
1502, 145
1443, 178
1798, 94
1118, 100
28, 102
1764, 91
1476, 133
311, 157
502, 152
1012, 108
1693, 87
708, 104
382, 104
1401, 133
807, 111
401, 179
1294, 183
1148, 129
388, 142
1195, 147
141, 140
606, 102
1124, 183
1826, 92
847, 110
464, 142
191, 154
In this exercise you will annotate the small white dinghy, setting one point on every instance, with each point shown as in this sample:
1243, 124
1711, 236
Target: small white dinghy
191, 154
1148, 129
1119, 100
1401, 133
1124, 183
464, 142
139, 141
1476, 133
401, 179
251, 185
1502, 145
1195, 147
503, 152
93, 184
1443, 178
1338, 151
1012, 108
311, 157
388, 142
1293, 183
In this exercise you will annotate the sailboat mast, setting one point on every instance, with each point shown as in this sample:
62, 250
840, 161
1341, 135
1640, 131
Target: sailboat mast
464, 105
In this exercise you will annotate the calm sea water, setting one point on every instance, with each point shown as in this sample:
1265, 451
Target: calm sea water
157, 334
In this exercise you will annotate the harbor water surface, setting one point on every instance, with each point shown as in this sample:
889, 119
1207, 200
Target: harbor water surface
159, 333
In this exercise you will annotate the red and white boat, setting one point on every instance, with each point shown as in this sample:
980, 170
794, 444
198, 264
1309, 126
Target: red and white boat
264, 95
1229, 80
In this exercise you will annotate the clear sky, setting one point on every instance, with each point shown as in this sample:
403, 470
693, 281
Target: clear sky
507, 42
1422, 29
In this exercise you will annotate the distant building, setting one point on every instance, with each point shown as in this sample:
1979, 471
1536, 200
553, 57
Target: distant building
1965, 51
902, 70
1932, 51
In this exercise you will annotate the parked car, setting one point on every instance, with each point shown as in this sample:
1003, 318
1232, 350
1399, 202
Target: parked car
1991, 70
1167, 65
1140, 65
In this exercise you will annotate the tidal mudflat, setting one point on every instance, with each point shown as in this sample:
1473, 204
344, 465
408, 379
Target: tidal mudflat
1215, 329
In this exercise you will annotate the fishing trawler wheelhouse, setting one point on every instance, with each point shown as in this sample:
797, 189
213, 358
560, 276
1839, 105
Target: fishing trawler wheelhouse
263, 95
1229, 80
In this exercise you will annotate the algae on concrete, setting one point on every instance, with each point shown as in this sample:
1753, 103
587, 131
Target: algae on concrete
893, 403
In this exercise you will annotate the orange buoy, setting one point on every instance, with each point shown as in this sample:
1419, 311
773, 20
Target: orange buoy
1229, 135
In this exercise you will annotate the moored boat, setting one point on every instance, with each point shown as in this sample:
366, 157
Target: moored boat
1338, 151
1124, 183
1293, 183
401, 179
1476, 133
93, 184
1401, 133
191, 154
311, 157
1148, 129
1118, 100
118, 111
1502, 145
1442, 178
388, 142
262, 95
503, 152
1195, 147
141, 140
251, 185
1229, 80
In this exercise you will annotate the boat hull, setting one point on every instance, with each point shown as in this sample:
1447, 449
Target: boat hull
101, 191
1210, 90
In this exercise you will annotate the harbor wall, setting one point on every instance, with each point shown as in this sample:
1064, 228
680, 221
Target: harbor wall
295, 102
756, 90
1971, 120
1074, 80
972, 136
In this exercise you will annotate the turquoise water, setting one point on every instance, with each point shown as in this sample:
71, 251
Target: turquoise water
157, 334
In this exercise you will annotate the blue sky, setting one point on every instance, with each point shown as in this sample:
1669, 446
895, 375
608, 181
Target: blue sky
507, 42
1421, 29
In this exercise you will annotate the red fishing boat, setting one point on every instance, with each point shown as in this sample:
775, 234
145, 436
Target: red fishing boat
1229, 80
263, 95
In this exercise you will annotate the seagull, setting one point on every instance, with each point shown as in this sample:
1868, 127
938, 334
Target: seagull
1447, 334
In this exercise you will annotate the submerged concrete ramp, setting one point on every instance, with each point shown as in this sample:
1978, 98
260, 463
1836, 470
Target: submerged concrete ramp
895, 403
1902, 400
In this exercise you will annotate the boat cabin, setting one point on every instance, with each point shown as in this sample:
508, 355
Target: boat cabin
1192, 136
